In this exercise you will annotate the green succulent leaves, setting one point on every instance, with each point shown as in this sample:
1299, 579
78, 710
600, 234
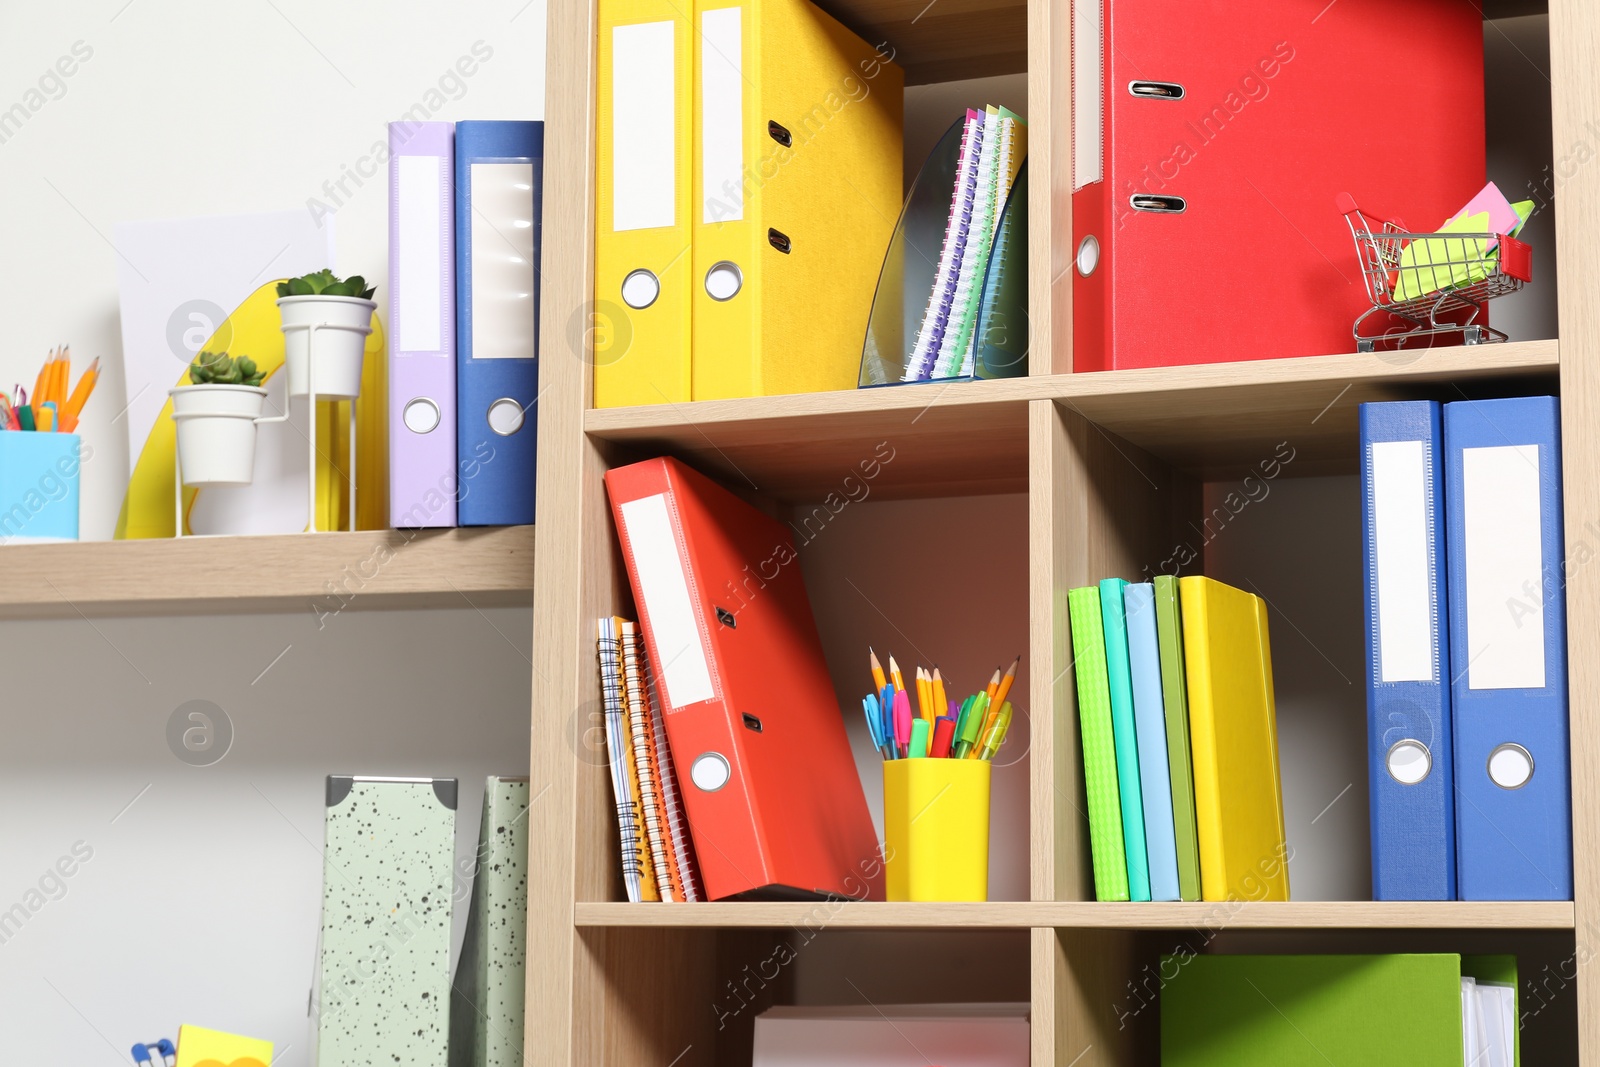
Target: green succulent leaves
325, 283
222, 369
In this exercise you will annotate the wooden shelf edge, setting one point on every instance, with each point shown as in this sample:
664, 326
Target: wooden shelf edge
1301, 915
323, 572
1438, 364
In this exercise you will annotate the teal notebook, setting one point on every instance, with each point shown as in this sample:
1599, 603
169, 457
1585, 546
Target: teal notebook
1180, 764
1099, 751
1119, 680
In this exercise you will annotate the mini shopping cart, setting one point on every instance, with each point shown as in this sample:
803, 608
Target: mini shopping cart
1434, 283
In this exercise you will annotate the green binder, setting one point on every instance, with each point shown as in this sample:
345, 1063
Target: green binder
486, 1002
1273, 1011
1180, 765
383, 977
1099, 749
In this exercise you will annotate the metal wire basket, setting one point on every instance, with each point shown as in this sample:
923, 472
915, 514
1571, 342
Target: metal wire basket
1434, 283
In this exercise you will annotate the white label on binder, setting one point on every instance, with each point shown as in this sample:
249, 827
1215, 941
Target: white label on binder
419, 210
680, 650
1505, 579
1401, 535
1088, 111
644, 126
503, 312
722, 114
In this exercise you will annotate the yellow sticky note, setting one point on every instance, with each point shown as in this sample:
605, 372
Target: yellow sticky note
199, 1047
1442, 262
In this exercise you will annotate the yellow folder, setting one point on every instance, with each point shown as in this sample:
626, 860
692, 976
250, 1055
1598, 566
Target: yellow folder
199, 1047
798, 177
1234, 741
640, 318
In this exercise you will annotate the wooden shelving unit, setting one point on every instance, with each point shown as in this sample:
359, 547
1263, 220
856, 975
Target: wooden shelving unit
1113, 466
288, 572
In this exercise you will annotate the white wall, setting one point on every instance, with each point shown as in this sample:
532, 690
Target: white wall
200, 901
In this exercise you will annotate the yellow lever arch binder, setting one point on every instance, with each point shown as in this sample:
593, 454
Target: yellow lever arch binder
642, 263
797, 184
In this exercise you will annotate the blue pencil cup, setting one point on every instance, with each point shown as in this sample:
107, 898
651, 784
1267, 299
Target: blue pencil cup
39, 486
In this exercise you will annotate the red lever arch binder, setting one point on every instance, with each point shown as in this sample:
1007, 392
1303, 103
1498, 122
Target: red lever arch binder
1212, 138
769, 785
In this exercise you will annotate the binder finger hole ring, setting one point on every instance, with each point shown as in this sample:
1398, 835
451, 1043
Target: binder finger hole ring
1510, 766
505, 416
1409, 762
724, 280
640, 289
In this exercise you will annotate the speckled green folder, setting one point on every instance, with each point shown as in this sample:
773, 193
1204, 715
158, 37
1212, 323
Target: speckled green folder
384, 974
1099, 748
486, 1003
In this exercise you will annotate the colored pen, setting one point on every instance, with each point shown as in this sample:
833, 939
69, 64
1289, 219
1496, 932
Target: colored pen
886, 718
894, 675
996, 734
944, 728
46, 419
877, 669
1005, 683
902, 721
961, 717
919, 739
869, 706
970, 727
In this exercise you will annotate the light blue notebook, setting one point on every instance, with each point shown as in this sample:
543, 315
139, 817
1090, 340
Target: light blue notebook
1149, 714
1120, 682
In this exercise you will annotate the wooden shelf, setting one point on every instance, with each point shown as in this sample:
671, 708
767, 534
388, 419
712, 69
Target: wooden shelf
288, 572
944, 40
1214, 420
1324, 915
945, 440
1219, 421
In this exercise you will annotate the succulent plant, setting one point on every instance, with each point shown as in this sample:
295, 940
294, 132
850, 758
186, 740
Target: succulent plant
219, 368
326, 283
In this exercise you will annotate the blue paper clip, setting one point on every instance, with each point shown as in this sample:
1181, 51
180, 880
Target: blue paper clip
165, 1049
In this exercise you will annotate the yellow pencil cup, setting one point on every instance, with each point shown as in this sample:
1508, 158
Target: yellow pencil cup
936, 829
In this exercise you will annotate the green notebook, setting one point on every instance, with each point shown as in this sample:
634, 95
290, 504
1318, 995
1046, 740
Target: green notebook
1099, 750
1180, 765
1275, 1011
1119, 680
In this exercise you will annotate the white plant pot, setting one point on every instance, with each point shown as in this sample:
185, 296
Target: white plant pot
331, 359
217, 432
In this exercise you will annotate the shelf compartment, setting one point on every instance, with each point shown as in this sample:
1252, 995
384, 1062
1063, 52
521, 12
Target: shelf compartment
286, 572
944, 40
1088, 915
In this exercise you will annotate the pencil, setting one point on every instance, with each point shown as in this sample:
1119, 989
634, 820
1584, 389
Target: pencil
80, 397
1005, 683
994, 685
877, 669
41, 384
922, 694
939, 699
894, 673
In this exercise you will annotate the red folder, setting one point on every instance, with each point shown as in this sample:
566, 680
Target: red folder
1230, 127
769, 784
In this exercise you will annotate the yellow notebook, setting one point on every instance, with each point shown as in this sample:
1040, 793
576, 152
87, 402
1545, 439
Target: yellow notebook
1234, 740
199, 1047
640, 320
798, 177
